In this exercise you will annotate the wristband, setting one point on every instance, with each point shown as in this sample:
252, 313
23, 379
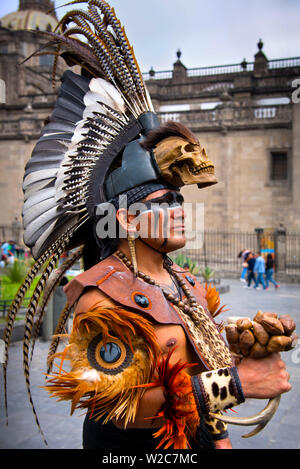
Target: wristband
216, 428
217, 390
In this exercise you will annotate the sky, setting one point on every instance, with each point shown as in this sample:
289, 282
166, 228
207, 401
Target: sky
208, 32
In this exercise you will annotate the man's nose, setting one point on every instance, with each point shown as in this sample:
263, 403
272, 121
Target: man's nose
178, 213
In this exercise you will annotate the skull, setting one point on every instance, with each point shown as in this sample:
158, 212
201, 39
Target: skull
182, 163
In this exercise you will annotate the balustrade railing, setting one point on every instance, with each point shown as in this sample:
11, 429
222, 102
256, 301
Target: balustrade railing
223, 69
236, 115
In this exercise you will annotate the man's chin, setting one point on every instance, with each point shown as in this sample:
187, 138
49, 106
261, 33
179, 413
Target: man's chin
174, 244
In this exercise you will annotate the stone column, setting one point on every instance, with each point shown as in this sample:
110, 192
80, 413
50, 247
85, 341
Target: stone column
259, 232
280, 250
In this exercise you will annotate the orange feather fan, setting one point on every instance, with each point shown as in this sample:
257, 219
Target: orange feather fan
106, 388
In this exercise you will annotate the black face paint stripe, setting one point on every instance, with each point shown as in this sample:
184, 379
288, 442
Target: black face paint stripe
170, 198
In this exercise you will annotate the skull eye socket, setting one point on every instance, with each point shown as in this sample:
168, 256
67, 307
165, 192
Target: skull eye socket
189, 147
110, 357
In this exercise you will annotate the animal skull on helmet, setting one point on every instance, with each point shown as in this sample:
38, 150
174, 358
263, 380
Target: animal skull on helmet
183, 163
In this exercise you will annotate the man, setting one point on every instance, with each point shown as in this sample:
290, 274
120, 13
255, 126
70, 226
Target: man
259, 269
149, 254
145, 351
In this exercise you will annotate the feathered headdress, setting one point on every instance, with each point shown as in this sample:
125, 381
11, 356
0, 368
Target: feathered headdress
99, 115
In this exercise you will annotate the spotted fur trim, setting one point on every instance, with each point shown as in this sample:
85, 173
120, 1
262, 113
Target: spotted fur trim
217, 390
216, 428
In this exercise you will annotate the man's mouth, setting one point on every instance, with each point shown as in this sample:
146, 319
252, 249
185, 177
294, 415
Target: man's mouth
179, 228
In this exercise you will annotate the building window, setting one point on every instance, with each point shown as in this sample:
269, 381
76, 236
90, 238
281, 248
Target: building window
279, 166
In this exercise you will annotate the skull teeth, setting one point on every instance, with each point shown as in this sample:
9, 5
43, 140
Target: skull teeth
202, 169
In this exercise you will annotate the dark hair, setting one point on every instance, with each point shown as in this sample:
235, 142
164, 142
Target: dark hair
169, 129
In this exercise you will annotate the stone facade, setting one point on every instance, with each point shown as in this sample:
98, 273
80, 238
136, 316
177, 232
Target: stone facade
242, 115
27, 98
228, 107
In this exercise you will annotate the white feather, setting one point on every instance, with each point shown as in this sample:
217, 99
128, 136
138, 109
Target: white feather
40, 241
37, 197
91, 104
100, 91
104, 88
40, 221
79, 132
36, 176
149, 102
34, 188
36, 210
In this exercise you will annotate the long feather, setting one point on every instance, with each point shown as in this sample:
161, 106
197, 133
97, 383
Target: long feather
65, 314
82, 20
44, 174
106, 90
29, 323
123, 40
54, 278
16, 304
79, 48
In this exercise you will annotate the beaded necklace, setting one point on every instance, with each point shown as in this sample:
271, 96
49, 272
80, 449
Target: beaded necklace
202, 330
189, 305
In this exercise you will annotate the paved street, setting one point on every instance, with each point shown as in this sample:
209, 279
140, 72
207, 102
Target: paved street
63, 431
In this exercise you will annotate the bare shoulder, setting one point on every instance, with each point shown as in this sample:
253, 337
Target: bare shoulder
93, 297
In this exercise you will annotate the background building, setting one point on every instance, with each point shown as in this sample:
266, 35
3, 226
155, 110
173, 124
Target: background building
246, 115
27, 97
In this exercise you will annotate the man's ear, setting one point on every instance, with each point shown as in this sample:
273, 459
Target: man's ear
122, 217
125, 219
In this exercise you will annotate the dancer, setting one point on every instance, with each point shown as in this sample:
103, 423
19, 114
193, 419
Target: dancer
147, 360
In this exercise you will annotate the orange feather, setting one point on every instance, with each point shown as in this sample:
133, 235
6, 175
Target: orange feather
179, 410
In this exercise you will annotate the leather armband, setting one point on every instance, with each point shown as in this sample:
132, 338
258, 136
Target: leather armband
217, 390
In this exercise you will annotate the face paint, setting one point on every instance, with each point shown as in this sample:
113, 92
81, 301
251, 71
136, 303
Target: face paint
171, 199
160, 206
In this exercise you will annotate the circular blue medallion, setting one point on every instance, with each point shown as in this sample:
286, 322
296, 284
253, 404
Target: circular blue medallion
110, 353
190, 280
141, 300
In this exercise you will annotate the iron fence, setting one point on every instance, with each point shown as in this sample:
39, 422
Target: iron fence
293, 253
219, 250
